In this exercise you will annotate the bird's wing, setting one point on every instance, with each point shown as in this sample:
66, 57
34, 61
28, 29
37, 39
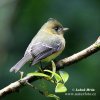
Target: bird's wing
42, 50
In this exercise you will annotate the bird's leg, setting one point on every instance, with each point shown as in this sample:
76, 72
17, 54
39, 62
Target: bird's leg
30, 63
41, 67
21, 74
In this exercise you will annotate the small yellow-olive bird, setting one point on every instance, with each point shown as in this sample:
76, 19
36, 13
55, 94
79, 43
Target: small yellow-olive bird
47, 44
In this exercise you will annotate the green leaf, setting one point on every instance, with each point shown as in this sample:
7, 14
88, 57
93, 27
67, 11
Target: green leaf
53, 96
38, 74
57, 77
64, 76
60, 88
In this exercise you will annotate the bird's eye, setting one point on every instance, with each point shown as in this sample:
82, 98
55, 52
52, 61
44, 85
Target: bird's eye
57, 28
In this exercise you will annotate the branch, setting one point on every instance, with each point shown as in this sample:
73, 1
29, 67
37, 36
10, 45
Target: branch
80, 55
13, 87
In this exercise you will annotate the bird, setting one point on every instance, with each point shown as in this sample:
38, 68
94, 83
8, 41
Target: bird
46, 45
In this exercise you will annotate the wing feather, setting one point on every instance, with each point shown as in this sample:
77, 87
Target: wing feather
42, 50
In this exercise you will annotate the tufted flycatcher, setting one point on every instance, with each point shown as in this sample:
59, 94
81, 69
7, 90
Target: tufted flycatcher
47, 44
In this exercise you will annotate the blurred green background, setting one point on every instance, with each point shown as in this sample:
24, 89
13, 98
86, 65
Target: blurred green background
19, 22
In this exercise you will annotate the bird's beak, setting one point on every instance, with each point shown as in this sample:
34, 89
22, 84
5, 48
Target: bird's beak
65, 29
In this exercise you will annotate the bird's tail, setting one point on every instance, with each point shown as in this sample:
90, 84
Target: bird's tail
25, 59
